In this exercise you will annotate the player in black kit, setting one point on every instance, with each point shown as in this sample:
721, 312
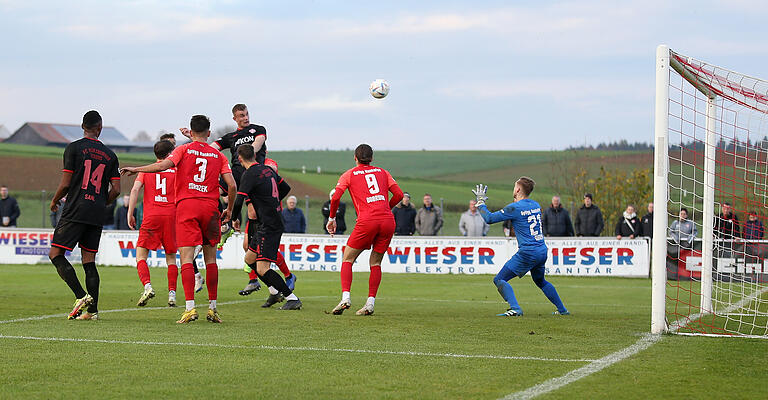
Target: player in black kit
90, 180
265, 189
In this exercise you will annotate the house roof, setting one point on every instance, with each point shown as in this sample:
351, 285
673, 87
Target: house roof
66, 133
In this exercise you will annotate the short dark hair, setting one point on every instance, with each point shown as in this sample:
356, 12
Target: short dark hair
364, 154
684, 209
727, 204
427, 194
199, 123
166, 136
162, 149
91, 119
238, 107
526, 184
246, 151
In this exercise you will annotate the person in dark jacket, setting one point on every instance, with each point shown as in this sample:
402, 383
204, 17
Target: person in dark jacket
555, 220
293, 217
628, 225
9, 208
727, 223
341, 226
121, 216
646, 223
589, 219
753, 228
405, 216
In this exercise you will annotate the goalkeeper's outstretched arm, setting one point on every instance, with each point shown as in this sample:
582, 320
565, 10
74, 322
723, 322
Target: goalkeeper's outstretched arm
493, 217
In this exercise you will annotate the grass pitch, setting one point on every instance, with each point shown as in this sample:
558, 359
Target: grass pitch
431, 337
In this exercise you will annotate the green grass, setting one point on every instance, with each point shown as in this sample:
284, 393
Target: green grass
414, 313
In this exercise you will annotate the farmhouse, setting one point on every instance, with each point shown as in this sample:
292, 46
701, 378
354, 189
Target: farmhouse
59, 135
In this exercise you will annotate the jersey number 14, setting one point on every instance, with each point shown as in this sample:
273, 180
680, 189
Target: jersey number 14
94, 177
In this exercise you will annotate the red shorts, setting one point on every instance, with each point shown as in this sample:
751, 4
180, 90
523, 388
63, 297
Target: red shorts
198, 222
158, 230
376, 233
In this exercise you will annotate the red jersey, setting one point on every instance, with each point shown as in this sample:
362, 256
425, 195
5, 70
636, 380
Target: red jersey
159, 192
198, 166
369, 187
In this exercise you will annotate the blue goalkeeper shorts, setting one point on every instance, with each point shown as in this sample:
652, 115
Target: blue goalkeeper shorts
522, 262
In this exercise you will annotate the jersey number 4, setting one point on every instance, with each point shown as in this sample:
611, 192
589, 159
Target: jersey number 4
160, 184
373, 185
93, 177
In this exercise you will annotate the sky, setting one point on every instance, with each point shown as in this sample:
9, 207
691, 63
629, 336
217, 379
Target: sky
485, 75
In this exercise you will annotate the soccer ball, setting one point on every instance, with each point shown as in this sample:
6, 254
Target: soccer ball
379, 88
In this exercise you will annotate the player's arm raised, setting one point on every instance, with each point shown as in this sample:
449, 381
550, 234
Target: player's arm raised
156, 167
137, 185
491, 217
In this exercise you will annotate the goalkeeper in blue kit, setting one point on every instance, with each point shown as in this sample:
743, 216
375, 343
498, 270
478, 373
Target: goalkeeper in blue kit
525, 215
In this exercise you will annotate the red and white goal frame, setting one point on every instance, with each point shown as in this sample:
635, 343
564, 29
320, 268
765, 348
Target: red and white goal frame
711, 153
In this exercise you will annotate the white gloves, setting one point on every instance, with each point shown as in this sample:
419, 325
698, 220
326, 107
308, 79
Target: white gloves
479, 192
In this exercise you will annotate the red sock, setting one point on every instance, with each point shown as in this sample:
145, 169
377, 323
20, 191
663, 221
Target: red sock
346, 276
143, 270
188, 281
212, 280
173, 275
252, 275
374, 280
282, 265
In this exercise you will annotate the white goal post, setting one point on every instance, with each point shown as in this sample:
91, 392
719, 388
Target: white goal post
711, 161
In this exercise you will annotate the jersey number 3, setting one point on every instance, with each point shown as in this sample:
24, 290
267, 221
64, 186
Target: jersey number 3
373, 185
203, 164
92, 177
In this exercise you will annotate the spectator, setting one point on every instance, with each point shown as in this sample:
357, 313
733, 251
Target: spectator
429, 219
753, 228
121, 216
589, 219
341, 226
9, 208
472, 223
56, 215
727, 223
683, 231
405, 216
628, 225
509, 229
646, 223
109, 216
293, 217
555, 220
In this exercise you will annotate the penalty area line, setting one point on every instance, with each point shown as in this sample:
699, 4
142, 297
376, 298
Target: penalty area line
295, 348
547, 386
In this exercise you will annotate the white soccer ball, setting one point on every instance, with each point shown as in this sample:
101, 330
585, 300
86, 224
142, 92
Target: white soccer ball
379, 88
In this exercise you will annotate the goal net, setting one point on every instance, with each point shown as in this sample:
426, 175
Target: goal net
710, 256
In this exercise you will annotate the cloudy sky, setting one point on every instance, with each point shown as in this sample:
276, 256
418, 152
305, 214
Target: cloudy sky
463, 74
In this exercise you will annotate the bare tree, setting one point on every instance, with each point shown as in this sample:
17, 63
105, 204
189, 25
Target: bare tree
142, 136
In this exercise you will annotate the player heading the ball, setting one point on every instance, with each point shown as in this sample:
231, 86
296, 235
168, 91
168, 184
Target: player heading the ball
525, 215
369, 187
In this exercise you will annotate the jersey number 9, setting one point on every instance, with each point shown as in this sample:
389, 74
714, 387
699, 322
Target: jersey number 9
373, 185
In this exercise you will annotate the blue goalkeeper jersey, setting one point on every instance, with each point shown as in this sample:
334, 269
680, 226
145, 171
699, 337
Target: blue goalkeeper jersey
526, 219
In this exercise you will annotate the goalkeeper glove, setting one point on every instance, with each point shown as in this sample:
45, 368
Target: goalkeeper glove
479, 192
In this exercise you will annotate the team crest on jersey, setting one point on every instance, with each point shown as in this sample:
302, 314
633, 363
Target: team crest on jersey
252, 130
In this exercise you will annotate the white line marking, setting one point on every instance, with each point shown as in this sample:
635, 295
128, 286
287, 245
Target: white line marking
293, 348
547, 386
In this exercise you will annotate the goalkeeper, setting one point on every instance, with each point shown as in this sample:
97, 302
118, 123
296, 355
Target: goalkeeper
525, 215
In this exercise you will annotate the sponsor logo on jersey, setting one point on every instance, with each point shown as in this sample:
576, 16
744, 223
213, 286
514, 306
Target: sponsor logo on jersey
199, 188
161, 199
201, 154
244, 140
366, 171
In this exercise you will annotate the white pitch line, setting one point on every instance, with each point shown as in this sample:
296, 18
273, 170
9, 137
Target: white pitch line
297, 348
547, 386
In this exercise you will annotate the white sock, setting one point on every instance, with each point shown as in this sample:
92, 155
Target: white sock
371, 300
148, 286
190, 304
291, 297
212, 304
345, 296
272, 290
